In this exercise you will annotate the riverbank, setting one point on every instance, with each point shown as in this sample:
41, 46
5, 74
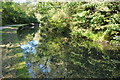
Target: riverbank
13, 64
12, 26
108, 36
57, 48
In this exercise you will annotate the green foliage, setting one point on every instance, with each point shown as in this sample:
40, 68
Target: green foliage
95, 18
117, 38
94, 21
115, 19
13, 13
97, 21
76, 19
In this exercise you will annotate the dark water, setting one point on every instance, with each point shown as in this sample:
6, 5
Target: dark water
63, 57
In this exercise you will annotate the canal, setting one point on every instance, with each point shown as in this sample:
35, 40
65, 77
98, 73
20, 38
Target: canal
58, 56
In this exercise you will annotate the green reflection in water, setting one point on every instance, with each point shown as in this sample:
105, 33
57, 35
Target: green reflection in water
71, 58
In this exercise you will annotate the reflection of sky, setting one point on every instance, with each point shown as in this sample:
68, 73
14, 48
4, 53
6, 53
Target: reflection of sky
45, 69
29, 47
42, 67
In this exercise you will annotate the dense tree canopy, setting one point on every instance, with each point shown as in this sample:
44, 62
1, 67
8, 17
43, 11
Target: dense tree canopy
95, 21
15, 13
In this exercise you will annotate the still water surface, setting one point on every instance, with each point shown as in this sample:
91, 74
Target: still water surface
63, 57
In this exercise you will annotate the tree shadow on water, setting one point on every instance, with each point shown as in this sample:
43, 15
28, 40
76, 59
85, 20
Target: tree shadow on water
13, 60
9, 37
23, 31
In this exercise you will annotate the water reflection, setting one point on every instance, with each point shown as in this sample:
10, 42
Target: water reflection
43, 66
30, 69
62, 57
81, 59
29, 47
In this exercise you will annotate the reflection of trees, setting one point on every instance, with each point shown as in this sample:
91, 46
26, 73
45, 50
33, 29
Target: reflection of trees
84, 59
37, 67
35, 64
72, 58
24, 32
40, 68
90, 62
51, 49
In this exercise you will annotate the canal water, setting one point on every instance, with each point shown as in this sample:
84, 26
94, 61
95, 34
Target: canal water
58, 56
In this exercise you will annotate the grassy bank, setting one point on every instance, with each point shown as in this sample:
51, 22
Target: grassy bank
13, 64
109, 35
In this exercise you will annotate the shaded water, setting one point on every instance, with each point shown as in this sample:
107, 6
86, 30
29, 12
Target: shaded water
62, 57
